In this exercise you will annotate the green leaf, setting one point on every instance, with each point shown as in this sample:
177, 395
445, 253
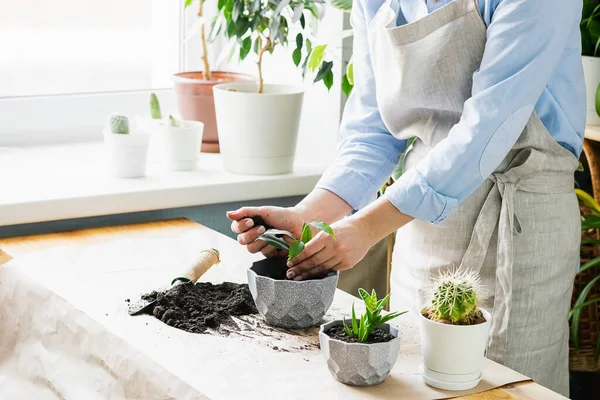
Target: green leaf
370, 301
362, 329
298, 13
215, 28
346, 86
587, 303
328, 80
280, 7
593, 263
302, 21
590, 222
577, 312
354, 321
188, 3
324, 227
295, 249
316, 56
278, 232
221, 4
306, 233
344, 5
297, 57
350, 72
324, 70
245, 48
238, 9
391, 316
274, 241
381, 303
346, 329
400, 167
231, 28
590, 242
299, 41
597, 102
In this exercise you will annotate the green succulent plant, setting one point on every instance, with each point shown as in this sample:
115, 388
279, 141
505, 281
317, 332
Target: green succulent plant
372, 319
155, 107
119, 124
455, 297
274, 238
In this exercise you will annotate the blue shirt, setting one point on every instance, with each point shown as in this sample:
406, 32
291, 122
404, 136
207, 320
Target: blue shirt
532, 57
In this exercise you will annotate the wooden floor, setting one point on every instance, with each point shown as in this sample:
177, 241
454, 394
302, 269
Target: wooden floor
18, 246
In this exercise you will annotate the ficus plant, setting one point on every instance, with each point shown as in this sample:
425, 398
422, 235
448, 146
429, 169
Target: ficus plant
455, 297
372, 319
590, 28
260, 26
206, 70
274, 237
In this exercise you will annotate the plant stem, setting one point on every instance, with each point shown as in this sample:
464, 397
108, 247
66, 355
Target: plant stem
207, 73
261, 52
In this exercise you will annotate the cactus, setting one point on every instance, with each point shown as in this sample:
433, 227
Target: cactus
455, 297
119, 124
173, 121
155, 107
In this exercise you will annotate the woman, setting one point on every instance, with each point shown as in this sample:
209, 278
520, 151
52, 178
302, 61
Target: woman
493, 90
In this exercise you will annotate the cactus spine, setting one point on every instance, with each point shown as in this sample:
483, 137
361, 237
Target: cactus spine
155, 107
119, 124
455, 297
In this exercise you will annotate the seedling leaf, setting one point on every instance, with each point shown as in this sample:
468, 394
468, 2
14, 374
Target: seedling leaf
306, 233
274, 241
296, 248
324, 227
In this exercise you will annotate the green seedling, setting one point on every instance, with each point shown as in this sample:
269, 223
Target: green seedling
119, 124
455, 298
155, 107
174, 123
372, 318
274, 237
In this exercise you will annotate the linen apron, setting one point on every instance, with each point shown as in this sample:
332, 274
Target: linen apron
520, 229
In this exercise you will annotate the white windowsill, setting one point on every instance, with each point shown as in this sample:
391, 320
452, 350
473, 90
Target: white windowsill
49, 183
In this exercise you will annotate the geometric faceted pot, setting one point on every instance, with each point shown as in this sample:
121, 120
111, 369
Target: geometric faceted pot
453, 355
359, 364
288, 303
196, 102
258, 132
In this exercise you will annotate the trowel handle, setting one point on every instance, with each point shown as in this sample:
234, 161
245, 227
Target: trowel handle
205, 261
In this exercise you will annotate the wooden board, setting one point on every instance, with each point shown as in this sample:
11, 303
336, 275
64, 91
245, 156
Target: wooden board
21, 246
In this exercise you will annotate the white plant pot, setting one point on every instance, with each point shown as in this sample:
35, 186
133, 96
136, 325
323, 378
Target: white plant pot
591, 70
258, 131
453, 355
181, 145
127, 154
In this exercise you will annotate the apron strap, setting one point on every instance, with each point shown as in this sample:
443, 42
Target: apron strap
523, 173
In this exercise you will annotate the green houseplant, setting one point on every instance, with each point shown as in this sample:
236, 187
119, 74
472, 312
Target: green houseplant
454, 316
362, 351
258, 123
194, 89
590, 44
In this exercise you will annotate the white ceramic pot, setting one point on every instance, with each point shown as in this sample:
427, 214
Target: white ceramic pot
127, 154
258, 131
453, 354
591, 70
181, 145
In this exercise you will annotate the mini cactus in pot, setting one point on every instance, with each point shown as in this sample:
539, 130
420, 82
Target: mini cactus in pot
126, 150
362, 351
454, 316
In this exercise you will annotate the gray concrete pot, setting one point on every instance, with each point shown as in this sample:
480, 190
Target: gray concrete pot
289, 304
359, 364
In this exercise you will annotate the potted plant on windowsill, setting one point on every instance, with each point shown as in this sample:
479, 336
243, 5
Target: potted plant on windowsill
127, 152
194, 89
454, 332
290, 303
258, 123
362, 351
590, 41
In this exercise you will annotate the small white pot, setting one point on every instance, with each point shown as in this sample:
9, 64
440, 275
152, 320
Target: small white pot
127, 154
181, 145
258, 131
453, 355
591, 70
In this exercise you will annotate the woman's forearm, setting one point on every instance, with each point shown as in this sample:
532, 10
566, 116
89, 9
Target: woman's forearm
379, 219
323, 205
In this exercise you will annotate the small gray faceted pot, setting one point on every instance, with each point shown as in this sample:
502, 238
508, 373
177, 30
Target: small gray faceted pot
287, 303
359, 364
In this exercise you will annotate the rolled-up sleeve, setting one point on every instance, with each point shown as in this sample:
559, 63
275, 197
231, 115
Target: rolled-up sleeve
525, 41
368, 153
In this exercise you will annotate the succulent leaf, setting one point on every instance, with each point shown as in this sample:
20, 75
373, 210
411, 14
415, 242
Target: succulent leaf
155, 107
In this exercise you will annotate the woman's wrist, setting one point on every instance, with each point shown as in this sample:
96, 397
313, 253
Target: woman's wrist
322, 205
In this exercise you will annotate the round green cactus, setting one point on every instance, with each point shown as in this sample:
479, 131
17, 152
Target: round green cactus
455, 297
119, 124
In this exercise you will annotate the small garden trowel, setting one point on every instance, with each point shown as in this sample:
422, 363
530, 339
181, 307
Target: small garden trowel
207, 259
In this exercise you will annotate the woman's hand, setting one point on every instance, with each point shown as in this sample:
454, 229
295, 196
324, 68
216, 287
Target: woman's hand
288, 219
324, 253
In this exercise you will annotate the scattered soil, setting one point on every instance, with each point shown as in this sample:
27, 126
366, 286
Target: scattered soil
197, 308
377, 336
477, 319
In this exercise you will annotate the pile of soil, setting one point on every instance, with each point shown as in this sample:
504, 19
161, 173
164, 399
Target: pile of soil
197, 307
377, 336
477, 319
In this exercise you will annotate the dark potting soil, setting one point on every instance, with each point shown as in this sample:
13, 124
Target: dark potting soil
377, 336
477, 319
276, 268
196, 308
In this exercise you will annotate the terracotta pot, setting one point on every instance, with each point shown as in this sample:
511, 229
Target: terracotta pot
196, 101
